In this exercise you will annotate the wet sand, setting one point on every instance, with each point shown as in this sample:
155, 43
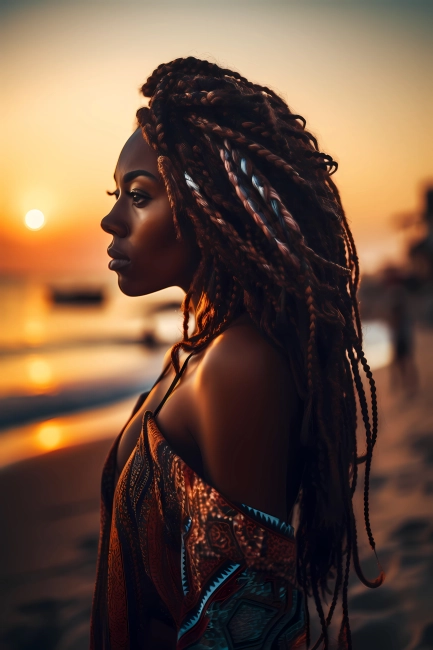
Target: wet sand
50, 516
49, 508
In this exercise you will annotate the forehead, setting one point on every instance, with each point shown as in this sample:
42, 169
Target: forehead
136, 154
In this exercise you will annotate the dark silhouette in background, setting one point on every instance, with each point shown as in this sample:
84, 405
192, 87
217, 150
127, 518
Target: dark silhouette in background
404, 372
421, 253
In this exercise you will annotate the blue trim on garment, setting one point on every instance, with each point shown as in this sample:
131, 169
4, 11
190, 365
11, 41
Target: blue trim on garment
213, 586
300, 623
270, 520
184, 577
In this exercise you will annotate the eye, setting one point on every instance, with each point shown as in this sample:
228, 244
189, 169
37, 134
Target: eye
139, 198
115, 193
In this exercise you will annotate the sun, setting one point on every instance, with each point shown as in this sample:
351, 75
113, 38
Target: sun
34, 220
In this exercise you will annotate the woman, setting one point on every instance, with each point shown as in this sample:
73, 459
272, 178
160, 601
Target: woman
222, 192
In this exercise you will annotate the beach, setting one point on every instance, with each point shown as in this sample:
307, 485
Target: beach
399, 615
50, 513
49, 506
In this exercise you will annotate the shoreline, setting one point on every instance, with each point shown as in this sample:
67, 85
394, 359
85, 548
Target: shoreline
41, 388
36, 440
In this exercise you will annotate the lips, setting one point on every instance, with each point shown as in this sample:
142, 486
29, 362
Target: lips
119, 261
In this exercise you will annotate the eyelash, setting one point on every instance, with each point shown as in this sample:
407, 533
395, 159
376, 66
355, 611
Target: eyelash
132, 193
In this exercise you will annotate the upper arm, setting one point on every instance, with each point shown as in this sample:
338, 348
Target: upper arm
246, 400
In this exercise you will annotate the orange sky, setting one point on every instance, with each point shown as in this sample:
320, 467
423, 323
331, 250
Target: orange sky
359, 72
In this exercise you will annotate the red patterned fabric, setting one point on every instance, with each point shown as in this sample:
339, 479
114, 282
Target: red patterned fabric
172, 547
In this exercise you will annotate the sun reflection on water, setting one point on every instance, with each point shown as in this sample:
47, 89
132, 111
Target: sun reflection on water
34, 332
49, 435
39, 373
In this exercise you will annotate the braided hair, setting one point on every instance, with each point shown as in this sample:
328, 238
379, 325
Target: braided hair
243, 172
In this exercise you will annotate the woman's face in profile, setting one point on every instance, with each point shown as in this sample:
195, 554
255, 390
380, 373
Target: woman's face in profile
146, 255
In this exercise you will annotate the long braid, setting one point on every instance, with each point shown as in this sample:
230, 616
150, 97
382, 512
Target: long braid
260, 151
344, 637
252, 208
275, 242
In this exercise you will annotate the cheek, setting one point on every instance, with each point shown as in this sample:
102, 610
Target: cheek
154, 229
159, 260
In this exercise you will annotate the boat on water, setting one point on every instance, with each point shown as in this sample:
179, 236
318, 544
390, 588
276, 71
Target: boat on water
76, 296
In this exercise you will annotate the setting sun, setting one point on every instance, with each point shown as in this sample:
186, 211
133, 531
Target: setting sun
34, 220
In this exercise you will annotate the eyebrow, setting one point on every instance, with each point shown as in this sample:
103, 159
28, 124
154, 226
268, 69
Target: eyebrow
129, 176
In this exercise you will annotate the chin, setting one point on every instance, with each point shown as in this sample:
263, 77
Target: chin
134, 289
131, 288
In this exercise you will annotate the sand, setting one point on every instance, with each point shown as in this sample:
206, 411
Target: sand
50, 519
49, 507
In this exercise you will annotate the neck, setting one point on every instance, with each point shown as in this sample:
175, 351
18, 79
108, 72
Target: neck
242, 316
195, 298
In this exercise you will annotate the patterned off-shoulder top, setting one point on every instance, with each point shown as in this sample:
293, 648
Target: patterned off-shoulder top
172, 547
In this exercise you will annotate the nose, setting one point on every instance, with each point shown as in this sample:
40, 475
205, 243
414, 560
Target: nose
114, 224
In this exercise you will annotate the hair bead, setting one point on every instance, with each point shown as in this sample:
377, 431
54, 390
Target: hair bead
191, 183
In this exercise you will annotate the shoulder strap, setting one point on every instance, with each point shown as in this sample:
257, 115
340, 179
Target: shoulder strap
159, 378
172, 385
143, 396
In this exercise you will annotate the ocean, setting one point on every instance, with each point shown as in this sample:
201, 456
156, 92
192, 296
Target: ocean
70, 346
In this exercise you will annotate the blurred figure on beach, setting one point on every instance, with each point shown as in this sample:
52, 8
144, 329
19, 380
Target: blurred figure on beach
404, 373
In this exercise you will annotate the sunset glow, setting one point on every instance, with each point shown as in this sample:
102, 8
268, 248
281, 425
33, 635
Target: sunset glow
356, 99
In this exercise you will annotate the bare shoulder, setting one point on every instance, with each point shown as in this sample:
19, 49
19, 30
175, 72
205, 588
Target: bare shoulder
240, 367
242, 352
247, 403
